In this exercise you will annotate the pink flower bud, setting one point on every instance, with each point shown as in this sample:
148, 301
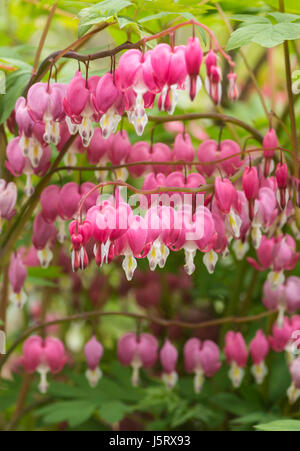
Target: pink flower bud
17, 272
69, 198
106, 93
140, 151
207, 151
280, 336
229, 148
273, 298
8, 198
93, 351
225, 194
292, 294
183, 149
233, 92
193, 56
43, 232
210, 61
250, 182
259, 347
49, 202
98, 147
281, 173
23, 118
295, 372
235, 349
161, 152
160, 61
270, 141
168, 357
119, 147
15, 157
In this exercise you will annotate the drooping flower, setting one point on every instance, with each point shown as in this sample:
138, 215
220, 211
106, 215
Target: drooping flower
201, 358
137, 351
108, 102
43, 356
293, 391
250, 183
8, 198
45, 104
168, 359
79, 106
93, 351
183, 149
213, 77
193, 58
44, 235
17, 274
281, 174
236, 355
270, 144
259, 348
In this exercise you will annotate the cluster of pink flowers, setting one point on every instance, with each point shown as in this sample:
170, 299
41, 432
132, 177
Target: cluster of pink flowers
200, 357
54, 111
175, 220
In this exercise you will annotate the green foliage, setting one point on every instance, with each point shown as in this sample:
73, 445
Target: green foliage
15, 84
102, 11
280, 425
267, 31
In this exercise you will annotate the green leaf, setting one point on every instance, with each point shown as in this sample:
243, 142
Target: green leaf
283, 17
15, 84
75, 412
251, 19
276, 34
244, 35
260, 30
100, 12
124, 21
279, 378
252, 418
52, 272
113, 411
232, 403
156, 16
38, 281
279, 425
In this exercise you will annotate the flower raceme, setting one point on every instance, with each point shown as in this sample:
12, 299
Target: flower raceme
132, 87
200, 357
